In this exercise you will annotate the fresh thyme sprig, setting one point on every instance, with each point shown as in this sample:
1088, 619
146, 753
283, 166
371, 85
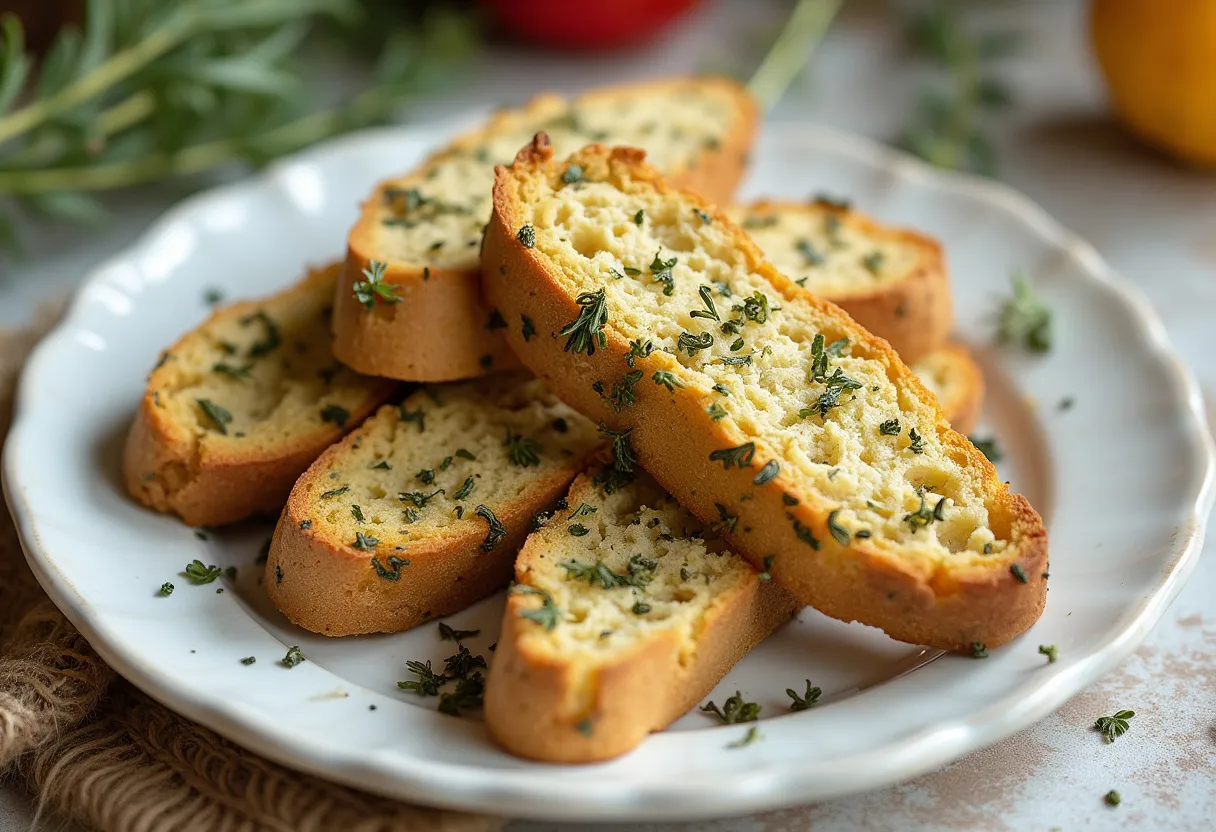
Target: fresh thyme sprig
158, 88
947, 129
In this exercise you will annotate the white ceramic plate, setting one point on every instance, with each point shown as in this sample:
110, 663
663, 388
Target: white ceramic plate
1123, 479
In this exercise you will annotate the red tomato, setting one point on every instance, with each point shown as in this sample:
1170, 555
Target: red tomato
586, 24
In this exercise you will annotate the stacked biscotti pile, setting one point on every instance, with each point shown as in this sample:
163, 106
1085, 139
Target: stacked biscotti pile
558, 358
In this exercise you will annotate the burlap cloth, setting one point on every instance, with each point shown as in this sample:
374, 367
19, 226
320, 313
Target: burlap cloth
92, 749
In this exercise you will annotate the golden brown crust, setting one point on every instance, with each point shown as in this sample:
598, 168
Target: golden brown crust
914, 315
437, 332
330, 587
962, 403
166, 468
672, 436
533, 710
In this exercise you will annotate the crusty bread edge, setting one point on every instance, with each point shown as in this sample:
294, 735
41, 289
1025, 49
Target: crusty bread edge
963, 410
330, 587
221, 488
532, 706
437, 332
672, 437
915, 314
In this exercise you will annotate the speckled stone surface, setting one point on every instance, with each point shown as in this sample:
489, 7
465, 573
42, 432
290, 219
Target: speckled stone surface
1155, 222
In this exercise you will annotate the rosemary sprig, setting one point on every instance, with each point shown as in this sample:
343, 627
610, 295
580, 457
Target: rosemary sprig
159, 88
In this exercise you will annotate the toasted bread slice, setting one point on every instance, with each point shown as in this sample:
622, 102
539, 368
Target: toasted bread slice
423, 230
747, 393
891, 280
241, 405
951, 374
626, 611
420, 512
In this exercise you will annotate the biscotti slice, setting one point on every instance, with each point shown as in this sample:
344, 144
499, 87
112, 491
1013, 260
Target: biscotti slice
748, 397
237, 409
410, 306
891, 280
951, 374
626, 611
420, 512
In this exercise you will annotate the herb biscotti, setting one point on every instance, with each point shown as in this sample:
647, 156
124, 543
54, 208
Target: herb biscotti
241, 405
409, 306
951, 374
892, 281
626, 611
746, 396
420, 512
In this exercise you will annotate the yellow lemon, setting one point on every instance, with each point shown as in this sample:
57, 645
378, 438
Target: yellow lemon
1159, 59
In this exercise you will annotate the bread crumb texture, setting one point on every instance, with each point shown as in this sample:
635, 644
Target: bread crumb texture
433, 217
443, 464
785, 375
621, 568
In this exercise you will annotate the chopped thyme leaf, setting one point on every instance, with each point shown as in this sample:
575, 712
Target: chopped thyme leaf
393, 571
1019, 573
834, 203
667, 379
721, 388
218, 416
736, 345
237, 373
988, 448
979, 650
767, 574
1115, 726
465, 454
600, 573
918, 442
212, 296
529, 329
705, 218
808, 699
836, 384
467, 696
631, 271
548, 614
660, 269
819, 359
692, 344
357, 513
446, 633
1050, 651
740, 455
337, 492
923, 516
839, 532
336, 414
804, 533
198, 573
1066, 404
637, 349
716, 411
497, 530
788, 500
270, 341
495, 321
583, 510
1112, 798
427, 683
578, 529
622, 391
527, 236
752, 223
640, 609
523, 451
464, 490
294, 657
638, 217
248, 660
418, 499
812, 255
412, 416
768, 473
383, 465
889, 428
707, 299
734, 710
572, 174
364, 542
873, 262
368, 291
166, 588
755, 308
586, 332
727, 521
1024, 318
753, 734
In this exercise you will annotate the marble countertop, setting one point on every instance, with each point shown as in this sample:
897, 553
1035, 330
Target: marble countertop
1154, 221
